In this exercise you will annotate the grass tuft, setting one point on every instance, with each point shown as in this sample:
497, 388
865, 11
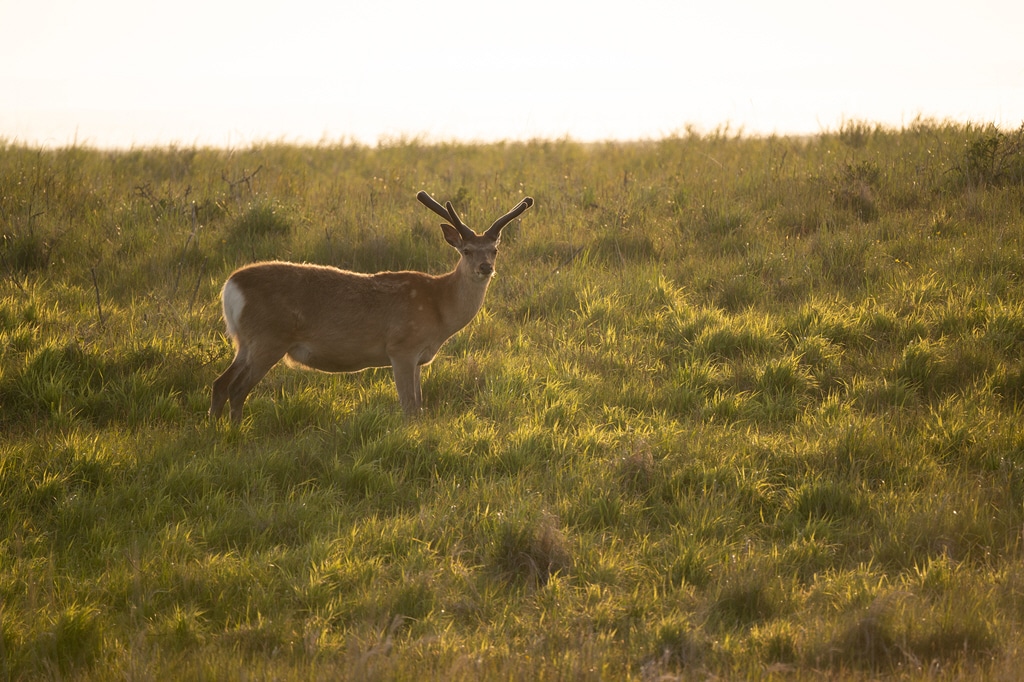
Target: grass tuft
529, 550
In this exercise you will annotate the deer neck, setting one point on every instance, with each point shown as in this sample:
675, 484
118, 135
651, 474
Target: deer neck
465, 294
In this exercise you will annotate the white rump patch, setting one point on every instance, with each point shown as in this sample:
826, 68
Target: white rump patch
233, 300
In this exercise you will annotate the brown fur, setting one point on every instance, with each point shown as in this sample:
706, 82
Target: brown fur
333, 320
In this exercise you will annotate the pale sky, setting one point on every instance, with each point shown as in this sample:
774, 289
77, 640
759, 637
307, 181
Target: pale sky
131, 73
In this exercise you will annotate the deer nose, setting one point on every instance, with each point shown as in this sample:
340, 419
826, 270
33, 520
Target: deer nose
486, 269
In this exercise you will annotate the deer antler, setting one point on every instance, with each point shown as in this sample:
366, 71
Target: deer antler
504, 220
447, 212
459, 225
429, 202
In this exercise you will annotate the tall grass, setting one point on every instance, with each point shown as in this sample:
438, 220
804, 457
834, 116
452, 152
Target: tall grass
735, 407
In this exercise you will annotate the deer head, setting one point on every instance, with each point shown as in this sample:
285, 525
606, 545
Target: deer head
478, 250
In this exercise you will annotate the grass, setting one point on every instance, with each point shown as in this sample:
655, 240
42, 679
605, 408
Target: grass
735, 407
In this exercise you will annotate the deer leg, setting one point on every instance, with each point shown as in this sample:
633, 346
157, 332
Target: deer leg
418, 387
259, 363
223, 382
407, 381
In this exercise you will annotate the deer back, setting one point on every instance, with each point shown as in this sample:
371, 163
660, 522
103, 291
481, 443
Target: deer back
337, 320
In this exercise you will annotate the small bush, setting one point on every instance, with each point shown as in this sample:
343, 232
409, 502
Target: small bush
924, 365
994, 159
257, 233
776, 641
872, 640
737, 337
26, 252
744, 600
678, 645
857, 134
75, 641
826, 500
529, 550
783, 376
259, 221
881, 395
637, 470
855, 189
1008, 384
690, 568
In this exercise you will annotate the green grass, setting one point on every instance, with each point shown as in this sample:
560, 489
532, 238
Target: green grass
737, 407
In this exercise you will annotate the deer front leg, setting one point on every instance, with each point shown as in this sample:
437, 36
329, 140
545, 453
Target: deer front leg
407, 381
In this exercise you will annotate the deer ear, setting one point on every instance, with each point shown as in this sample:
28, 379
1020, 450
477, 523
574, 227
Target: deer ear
451, 235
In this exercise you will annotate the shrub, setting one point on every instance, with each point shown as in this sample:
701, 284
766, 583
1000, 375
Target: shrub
744, 600
529, 550
855, 189
994, 159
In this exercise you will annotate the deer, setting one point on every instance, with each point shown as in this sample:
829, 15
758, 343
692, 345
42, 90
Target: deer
324, 318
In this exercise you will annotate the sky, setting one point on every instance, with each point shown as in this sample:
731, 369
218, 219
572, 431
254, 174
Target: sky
228, 73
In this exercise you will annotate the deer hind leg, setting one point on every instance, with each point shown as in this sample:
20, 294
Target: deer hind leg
407, 381
257, 367
249, 366
221, 386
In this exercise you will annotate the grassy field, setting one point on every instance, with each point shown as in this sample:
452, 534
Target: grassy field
734, 407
